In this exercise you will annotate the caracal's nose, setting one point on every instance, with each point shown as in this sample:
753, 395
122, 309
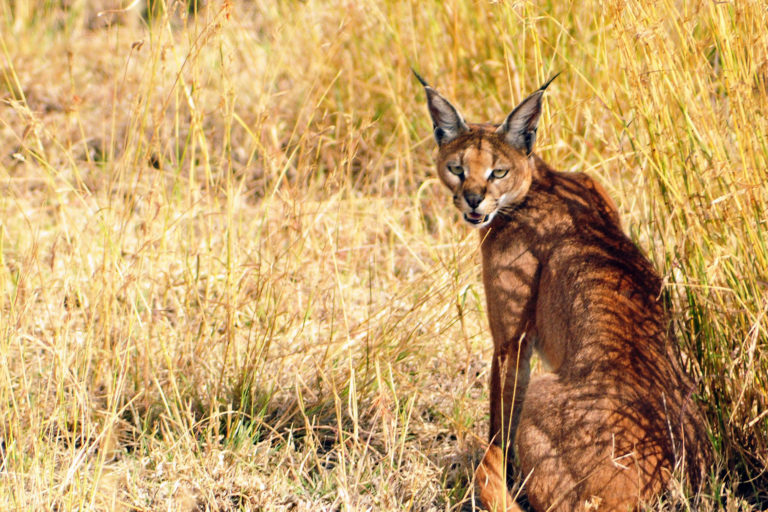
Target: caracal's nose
473, 199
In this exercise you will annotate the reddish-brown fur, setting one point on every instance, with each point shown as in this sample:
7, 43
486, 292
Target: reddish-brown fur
615, 417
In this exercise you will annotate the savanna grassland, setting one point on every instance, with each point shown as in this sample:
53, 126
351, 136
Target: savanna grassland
229, 279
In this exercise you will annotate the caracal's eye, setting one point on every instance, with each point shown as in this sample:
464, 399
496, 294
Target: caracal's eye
455, 169
499, 173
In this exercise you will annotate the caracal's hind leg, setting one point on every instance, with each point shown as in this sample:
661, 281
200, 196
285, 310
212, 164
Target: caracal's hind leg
575, 455
538, 439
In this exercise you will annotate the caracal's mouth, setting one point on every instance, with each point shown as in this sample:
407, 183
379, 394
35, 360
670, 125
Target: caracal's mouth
476, 218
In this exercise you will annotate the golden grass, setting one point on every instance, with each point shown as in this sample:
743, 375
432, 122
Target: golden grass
229, 279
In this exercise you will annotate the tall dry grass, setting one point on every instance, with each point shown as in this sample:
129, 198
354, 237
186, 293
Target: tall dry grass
231, 281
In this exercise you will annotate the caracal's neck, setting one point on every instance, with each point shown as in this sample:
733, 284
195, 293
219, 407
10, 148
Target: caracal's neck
534, 222
557, 207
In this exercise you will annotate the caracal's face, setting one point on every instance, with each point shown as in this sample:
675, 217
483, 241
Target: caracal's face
488, 168
486, 176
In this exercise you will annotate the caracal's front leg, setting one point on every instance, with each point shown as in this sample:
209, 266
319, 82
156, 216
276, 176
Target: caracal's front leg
509, 287
491, 474
510, 372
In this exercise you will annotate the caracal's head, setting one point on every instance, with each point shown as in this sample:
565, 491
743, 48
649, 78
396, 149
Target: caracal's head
487, 167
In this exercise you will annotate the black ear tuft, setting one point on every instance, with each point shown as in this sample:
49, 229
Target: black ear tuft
544, 87
421, 80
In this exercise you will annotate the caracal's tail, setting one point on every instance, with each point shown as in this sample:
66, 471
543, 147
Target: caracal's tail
492, 484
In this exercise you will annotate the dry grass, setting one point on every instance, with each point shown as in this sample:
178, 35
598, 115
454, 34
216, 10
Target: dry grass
229, 279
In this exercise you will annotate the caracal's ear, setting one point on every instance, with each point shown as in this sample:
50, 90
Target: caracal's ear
446, 120
519, 128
